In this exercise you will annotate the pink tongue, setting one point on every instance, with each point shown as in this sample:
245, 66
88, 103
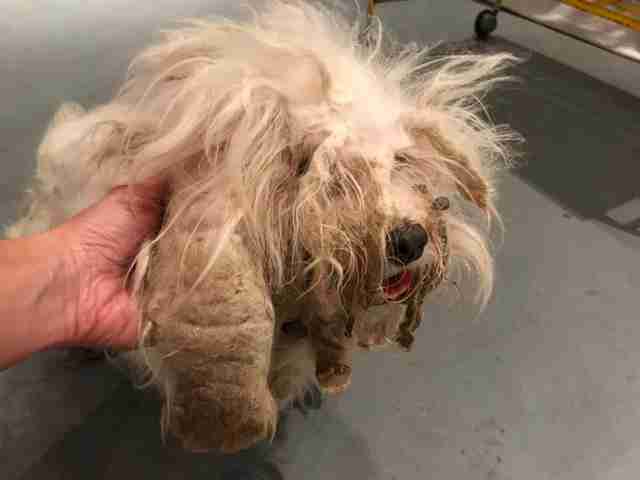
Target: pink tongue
398, 287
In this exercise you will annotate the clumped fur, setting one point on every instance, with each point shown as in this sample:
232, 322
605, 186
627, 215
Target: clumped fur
292, 145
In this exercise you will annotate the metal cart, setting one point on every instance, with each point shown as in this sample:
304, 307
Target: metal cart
613, 25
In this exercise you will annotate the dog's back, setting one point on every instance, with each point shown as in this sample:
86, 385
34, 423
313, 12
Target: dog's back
65, 181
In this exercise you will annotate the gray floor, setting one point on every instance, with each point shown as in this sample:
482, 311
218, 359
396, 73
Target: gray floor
545, 385
451, 20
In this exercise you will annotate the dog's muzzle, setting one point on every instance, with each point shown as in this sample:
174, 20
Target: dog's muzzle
433, 277
406, 243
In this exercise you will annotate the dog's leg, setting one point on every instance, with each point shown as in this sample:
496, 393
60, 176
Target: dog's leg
333, 347
215, 346
293, 371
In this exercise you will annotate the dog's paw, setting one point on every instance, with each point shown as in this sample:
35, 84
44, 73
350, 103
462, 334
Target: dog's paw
334, 379
259, 425
224, 419
312, 400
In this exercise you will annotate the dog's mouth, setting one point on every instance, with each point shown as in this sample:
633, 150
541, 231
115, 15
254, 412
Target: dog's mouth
398, 285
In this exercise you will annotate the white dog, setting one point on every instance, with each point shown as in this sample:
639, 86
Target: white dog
311, 176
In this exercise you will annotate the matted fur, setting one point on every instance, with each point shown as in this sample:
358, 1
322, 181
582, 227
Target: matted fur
293, 146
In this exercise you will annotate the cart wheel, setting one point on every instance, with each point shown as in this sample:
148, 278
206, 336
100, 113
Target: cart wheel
486, 23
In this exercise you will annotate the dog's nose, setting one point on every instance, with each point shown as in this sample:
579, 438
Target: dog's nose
406, 243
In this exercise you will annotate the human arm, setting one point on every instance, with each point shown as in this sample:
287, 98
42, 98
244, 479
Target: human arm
67, 286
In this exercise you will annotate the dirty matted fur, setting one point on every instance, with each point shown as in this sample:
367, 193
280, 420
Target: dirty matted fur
299, 156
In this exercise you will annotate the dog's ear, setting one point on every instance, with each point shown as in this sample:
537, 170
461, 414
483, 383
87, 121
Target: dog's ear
472, 183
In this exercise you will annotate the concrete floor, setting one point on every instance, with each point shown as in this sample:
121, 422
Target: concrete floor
544, 385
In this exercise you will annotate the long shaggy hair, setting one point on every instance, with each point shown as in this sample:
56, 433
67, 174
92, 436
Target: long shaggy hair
309, 144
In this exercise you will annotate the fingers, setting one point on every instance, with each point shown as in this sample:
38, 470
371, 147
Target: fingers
154, 188
115, 227
148, 197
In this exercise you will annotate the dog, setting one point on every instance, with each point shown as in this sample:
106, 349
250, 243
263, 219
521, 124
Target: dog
318, 183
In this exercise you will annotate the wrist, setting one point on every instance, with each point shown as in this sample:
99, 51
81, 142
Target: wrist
34, 312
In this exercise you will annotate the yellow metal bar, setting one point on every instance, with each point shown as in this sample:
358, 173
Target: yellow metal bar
371, 7
600, 11
633, 9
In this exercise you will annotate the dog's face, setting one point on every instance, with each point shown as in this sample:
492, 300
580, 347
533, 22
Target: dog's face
373, 200
369, 200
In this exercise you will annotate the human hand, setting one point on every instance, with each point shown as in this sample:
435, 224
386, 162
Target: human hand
101, 244
67, 286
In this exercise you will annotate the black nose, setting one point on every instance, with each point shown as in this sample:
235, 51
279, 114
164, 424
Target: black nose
406, 243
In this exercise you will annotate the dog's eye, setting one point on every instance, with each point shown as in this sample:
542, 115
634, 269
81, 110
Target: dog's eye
401, 159
303, 166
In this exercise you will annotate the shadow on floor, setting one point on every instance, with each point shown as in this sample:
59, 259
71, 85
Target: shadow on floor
582, 136
122, 440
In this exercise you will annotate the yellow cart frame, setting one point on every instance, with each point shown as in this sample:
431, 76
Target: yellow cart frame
612, 25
